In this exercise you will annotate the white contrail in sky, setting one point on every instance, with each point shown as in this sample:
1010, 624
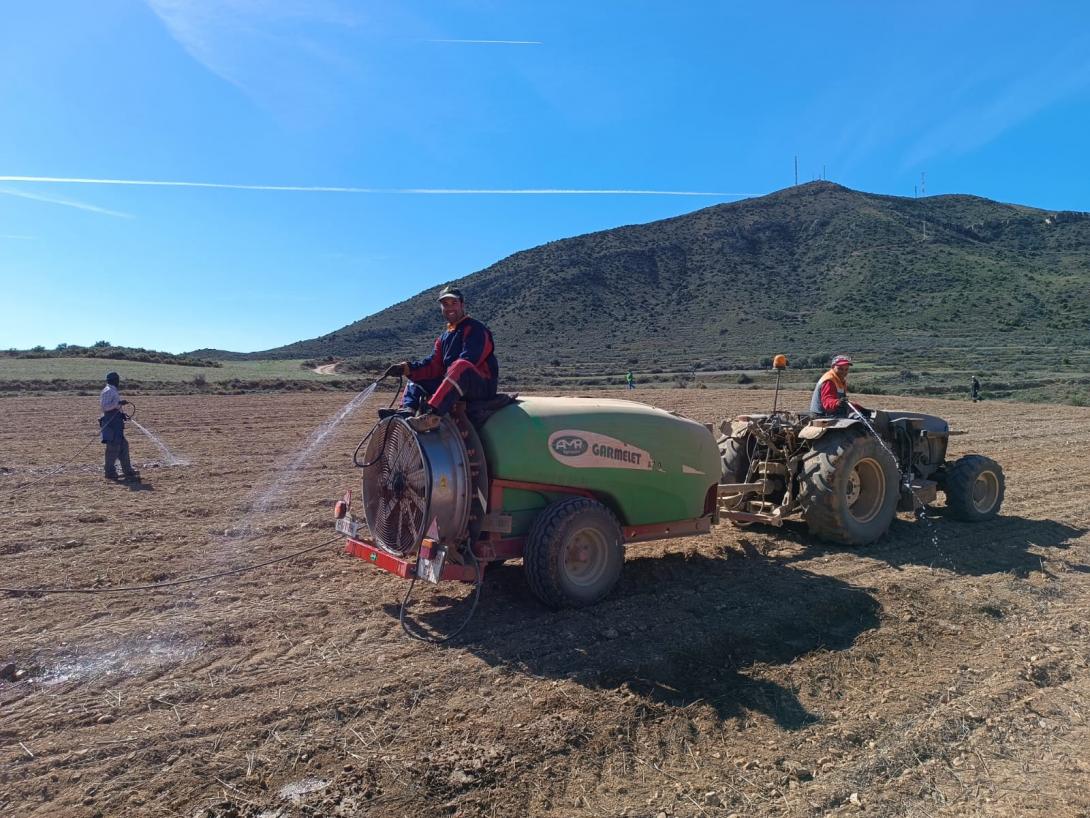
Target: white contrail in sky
22, 194
435, 191
490, 42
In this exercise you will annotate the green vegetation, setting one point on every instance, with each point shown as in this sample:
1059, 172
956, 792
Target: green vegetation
813, 269
921, 292
104, 349
22, 375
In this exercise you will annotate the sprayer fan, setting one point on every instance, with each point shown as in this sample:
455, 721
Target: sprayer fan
396, 487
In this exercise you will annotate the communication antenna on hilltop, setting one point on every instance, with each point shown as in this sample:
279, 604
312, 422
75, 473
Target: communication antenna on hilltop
796, 169
923, 183
823, 171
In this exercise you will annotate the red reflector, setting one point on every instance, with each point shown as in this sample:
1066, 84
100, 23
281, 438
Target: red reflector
340, 508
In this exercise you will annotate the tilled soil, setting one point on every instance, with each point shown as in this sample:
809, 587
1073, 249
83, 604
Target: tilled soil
748, 672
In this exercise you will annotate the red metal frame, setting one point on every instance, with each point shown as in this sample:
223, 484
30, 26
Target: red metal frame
398, 566
487, 549
496, 487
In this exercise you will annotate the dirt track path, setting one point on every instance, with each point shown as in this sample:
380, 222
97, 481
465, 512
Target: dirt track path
326, 369
942, 672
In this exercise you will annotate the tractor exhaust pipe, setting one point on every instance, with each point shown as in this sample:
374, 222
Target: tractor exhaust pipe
779, 363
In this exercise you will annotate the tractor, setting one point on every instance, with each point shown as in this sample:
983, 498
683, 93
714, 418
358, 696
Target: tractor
847, 477
565, 483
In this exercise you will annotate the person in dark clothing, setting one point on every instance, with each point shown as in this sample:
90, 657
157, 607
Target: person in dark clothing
112, 424
462, 365
974, 389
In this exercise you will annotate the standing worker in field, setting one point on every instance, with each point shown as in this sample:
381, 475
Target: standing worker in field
630, 379
830, 398
112, 424
462, 365
974, 389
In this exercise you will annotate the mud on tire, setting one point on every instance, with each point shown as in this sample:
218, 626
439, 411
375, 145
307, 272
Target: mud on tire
574, 553
849, 488
974, 488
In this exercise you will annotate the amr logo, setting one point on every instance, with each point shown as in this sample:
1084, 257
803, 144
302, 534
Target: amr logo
569, 446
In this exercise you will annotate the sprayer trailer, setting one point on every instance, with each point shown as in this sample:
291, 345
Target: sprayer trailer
848, 477
562, 483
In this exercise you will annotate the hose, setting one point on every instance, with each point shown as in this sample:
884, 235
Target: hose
424, 637
386, 434
79, 451
156, 586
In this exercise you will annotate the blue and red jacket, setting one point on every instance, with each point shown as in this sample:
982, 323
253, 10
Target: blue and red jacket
465, 346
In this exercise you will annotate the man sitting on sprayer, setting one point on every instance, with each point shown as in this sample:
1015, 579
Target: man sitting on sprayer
462, 365
112, 424
830, 398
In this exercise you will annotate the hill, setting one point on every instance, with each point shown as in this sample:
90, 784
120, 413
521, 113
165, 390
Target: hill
808, 270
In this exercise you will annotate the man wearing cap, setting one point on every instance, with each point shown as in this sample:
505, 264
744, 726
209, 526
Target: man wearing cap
830, 398
462, 365
112, 424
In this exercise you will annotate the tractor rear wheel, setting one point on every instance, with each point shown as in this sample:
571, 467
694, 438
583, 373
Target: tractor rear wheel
574, 553
974, 488
849, 488
734, 454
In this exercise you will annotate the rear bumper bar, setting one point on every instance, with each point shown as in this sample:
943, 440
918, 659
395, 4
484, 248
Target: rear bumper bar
401, 567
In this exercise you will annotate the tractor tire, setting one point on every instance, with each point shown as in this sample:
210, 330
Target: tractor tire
574, 553
849, 488
734, 455
974, 488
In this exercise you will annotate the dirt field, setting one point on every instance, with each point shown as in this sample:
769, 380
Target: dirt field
750, 672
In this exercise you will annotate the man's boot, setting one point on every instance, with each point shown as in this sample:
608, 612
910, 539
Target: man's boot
131, 477
111, 475
424, 423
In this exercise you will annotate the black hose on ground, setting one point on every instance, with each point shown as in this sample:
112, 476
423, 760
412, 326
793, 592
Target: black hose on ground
78, 452
157, 585
438, 640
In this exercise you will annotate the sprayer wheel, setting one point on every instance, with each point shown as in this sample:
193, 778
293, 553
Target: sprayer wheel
574, 553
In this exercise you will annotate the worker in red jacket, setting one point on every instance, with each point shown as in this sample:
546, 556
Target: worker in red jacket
830, 398
462, 365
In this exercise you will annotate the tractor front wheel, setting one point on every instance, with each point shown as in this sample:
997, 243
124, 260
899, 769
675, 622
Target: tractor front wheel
849, 488
974, 488
574, 553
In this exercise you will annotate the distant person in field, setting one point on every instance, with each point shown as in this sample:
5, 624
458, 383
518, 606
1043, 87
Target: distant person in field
830, 398
462, 365
112, 424
630, 380
974, 389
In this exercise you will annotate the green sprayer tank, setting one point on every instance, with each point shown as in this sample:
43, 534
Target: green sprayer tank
648, 465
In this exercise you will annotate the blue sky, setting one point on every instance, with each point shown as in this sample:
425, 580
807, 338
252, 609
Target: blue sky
402, 105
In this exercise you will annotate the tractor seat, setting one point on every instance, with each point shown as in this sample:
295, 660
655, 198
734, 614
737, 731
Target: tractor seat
479, 411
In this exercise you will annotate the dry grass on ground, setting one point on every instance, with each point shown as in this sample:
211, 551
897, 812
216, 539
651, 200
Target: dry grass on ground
750, 672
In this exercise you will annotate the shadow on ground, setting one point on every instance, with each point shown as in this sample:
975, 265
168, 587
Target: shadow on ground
998, 546
678, 630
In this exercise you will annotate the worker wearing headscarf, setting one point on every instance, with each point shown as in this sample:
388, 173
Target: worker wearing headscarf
830, 398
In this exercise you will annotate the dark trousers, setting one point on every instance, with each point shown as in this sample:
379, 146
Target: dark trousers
473, 386
118, 449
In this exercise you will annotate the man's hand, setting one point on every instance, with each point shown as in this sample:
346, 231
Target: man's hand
395, 369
